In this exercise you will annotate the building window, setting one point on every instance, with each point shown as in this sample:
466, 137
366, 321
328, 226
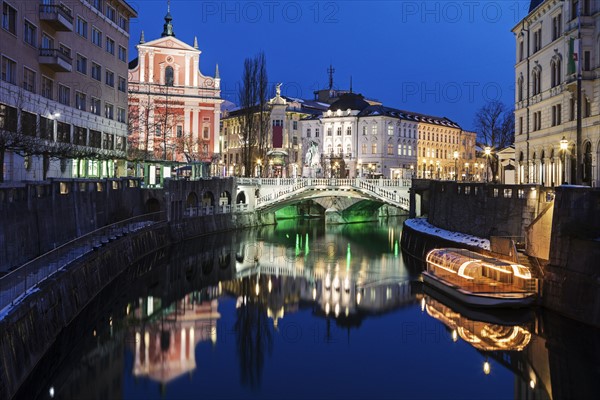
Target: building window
81, 64
96, 72
169, 76
109, 111
349, 131
122, 54
47, 42
80, 101
339, 131
123, 23
317, 131
110, 46
374, 129
9, 70
122, 84
555, 75
294, 141
571, 109
47, 88
95, 106
295, 125
79, 135
206, 133
556, 114
537, 81
556, 26
587, 61
537, 120
8, 118
520, 88
537, 40
521, 52
574, 8
95, 139
82, 27
390, 149
65, 50
64, 95
363, 148
111, 13
30, 33
373, 148
390, 130
96, 37
110, 78
308, 132
520, 125
97, 4
329, 131
9, 18
28, 123
63, 132
179, 131
121, 115
29, 80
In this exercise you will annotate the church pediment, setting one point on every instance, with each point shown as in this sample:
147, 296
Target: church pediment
170, 42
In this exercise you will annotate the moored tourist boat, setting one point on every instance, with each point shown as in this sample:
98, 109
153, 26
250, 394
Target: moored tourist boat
480, 280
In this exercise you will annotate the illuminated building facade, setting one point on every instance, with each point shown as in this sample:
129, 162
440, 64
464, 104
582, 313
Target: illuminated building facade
63, 87
555, 43
174, 109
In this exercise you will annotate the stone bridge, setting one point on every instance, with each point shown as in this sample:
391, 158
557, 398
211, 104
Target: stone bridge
335, 195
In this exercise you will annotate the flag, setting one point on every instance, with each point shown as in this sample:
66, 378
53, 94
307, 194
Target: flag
573, 56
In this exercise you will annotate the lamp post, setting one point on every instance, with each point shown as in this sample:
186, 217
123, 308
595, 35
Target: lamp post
455, 155
488, 152
564, 144
412, 171
437, 168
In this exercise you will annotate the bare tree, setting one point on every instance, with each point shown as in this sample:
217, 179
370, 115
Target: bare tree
494, 123
254, 110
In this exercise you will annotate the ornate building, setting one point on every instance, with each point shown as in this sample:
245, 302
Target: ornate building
359, 138
557, 42
283, 146
63, 88
174, 109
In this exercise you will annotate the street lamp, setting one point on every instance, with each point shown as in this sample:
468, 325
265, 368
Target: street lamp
455, 155
488, 152
564, 145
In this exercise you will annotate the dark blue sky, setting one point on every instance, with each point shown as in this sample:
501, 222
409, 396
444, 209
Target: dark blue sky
444, 58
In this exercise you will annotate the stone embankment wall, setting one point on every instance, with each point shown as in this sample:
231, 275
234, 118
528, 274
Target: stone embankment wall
35, 218
31, 328
572, 278
485, 210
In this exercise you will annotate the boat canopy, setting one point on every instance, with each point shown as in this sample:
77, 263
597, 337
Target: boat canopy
468, 264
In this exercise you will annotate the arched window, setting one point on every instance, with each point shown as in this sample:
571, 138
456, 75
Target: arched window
537, 80
556, 71
587, 163
520, 88
169, 76
339, 148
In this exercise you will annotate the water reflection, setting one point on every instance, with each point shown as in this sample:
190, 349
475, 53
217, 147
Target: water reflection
222, 316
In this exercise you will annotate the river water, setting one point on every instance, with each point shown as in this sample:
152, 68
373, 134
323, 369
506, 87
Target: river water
306, 311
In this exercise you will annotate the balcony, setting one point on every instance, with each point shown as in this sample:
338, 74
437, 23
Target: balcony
57, 15
56, 60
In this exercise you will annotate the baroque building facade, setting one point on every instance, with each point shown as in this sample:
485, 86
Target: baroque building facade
555, 43
174, 108
360, 138
63, 88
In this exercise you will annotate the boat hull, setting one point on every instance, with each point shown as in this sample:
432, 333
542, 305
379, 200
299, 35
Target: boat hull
491, 300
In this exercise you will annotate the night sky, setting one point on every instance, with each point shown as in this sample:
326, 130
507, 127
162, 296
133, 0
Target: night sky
444, 58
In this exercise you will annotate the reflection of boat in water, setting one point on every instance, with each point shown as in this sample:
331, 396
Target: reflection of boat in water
479, 280
481, 334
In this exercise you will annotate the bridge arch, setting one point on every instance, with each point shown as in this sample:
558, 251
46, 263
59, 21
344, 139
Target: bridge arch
191, 200
241, 198
225, 198
208, 199
152, 205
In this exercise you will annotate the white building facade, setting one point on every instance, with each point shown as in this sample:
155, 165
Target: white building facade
554, 42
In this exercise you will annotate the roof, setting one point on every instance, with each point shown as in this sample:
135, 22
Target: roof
133, 63
407, 115
534, 4
349, 101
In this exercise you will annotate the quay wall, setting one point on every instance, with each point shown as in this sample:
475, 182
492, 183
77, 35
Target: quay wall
572, 277
485, 210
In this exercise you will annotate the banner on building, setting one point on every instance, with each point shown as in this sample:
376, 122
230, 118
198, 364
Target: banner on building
277, 137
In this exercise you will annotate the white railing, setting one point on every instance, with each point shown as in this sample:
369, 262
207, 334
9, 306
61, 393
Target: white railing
392, 191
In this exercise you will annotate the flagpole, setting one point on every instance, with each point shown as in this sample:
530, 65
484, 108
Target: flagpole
578, 169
